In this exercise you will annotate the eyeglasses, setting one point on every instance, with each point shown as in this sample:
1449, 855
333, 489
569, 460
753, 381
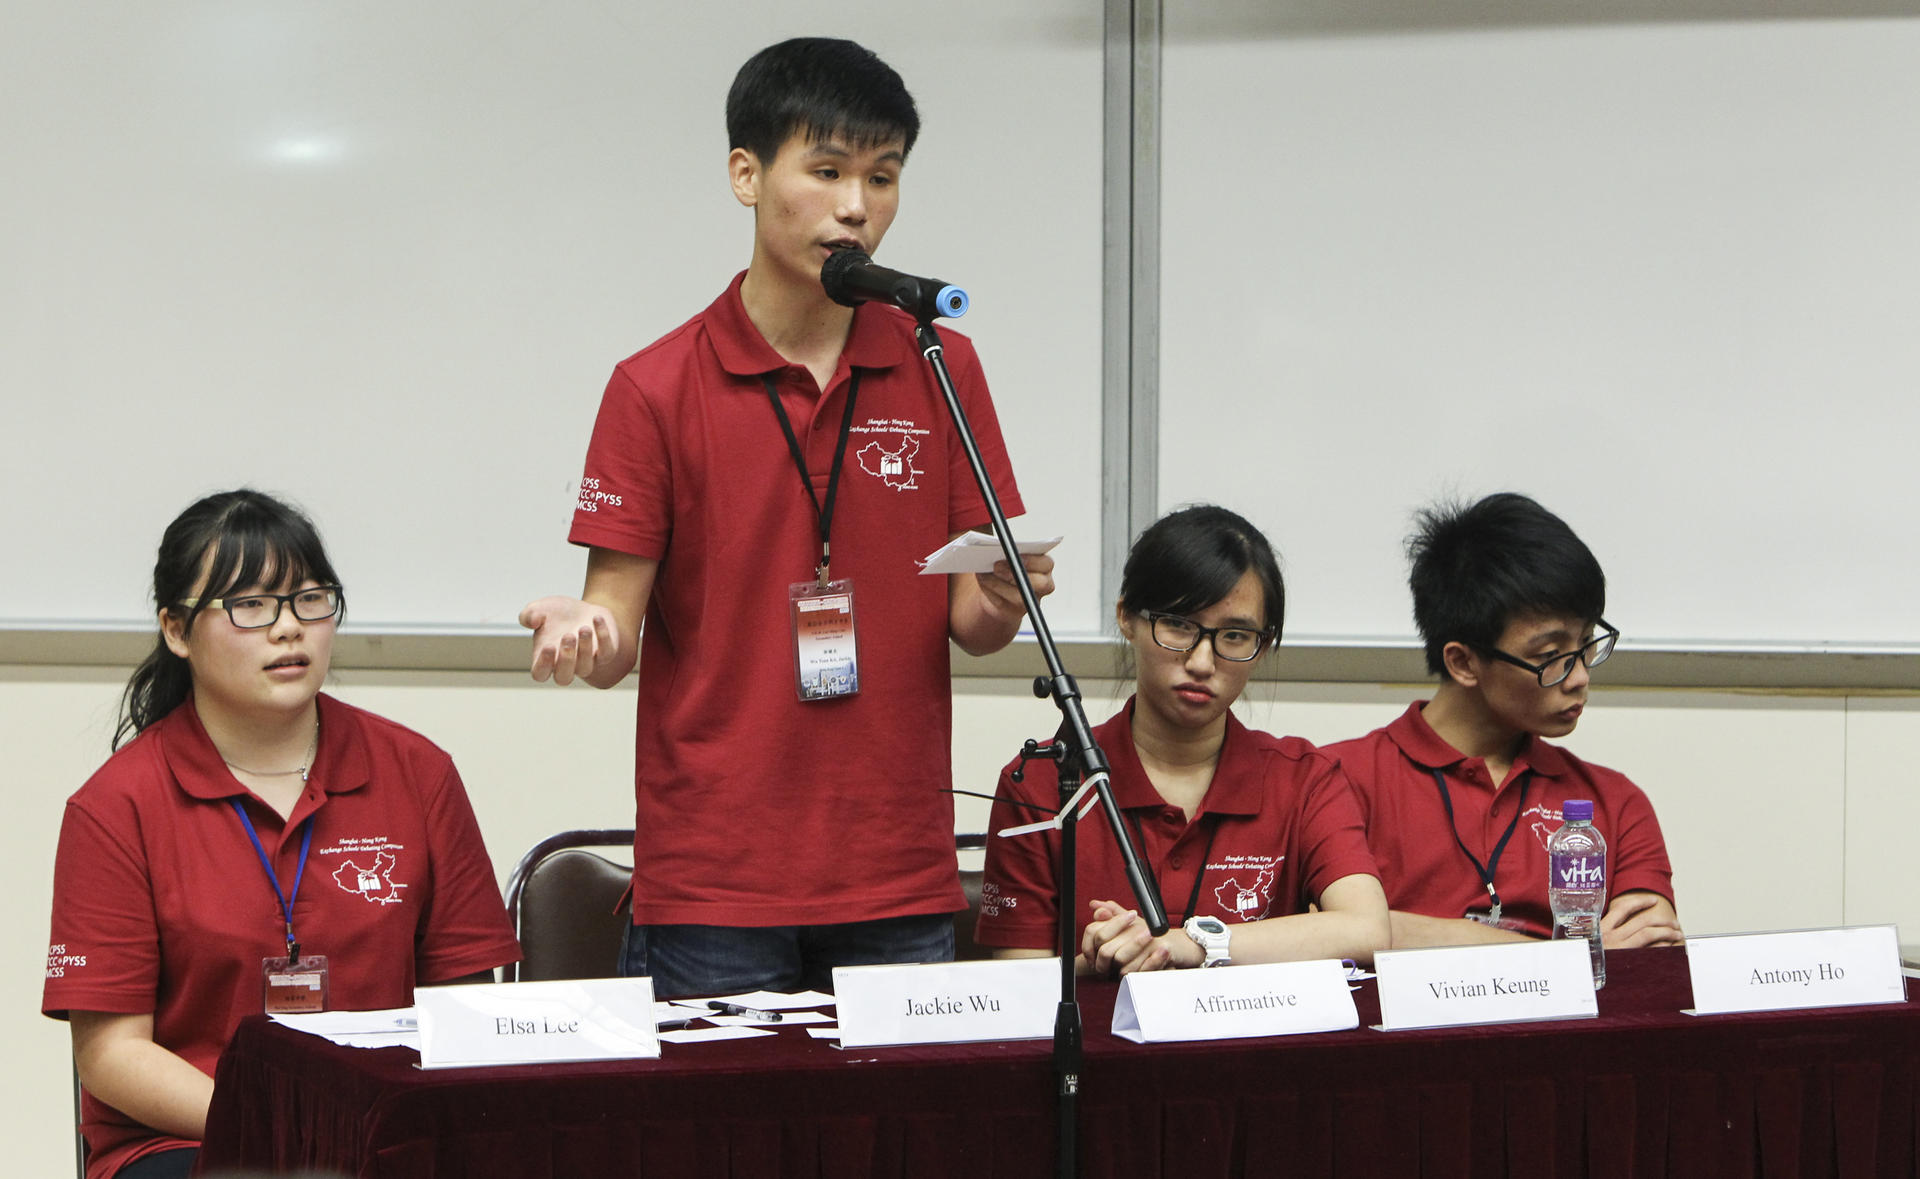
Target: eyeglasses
1592, 653
1236, 643
314, 604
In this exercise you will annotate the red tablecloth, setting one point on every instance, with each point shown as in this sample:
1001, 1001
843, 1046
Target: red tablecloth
1642, 1091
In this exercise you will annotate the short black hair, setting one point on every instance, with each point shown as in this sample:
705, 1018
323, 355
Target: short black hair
1191, 558
822, 88
1477, 567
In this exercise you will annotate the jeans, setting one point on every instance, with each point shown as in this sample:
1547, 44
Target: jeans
167, 1164
725, 960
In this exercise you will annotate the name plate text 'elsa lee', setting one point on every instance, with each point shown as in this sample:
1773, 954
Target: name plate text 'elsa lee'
1231, 1002
1804, 968
1508, 983
947, 1002
536, 1022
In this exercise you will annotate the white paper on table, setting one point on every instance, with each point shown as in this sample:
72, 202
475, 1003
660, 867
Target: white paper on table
975, 552
396, 1027
787, 1018
697, 1035
832, 1033
757, 1000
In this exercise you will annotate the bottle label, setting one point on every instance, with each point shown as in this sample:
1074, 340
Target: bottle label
1588, 870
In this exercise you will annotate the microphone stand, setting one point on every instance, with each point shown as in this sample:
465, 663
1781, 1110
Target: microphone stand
1080, 761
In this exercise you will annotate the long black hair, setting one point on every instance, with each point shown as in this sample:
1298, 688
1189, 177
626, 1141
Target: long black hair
1191, 558
228, 541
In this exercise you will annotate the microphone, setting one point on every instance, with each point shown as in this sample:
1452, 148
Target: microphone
851, 278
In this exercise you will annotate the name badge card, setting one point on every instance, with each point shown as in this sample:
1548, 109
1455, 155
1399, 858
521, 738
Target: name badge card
1804, 968
1508, 983
1231, 1002
536, 1022
947, 1002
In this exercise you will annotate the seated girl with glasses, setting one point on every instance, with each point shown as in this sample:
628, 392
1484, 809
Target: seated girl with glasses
255, 845
1243, 831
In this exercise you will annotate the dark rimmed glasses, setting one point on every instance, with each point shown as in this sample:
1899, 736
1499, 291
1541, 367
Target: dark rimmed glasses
1236, 643
253, 611
1593, 653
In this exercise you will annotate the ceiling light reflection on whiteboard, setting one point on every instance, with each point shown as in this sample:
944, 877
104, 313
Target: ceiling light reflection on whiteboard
306, 149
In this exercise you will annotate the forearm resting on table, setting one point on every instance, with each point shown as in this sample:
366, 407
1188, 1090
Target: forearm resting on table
1414, 930
1352, 922
120, 1064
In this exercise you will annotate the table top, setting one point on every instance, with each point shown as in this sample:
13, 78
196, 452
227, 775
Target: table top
1685, 1088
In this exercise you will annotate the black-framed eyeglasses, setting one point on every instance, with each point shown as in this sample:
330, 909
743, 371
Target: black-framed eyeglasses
253, 611
1237, 643
1593, 653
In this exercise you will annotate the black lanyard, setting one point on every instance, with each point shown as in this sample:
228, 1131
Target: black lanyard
286, 901
1493, 861
1213, 829
823, 515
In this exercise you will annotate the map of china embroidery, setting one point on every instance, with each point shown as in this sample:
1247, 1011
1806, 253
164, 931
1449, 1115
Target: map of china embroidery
1249, 904
893, 467
375, 883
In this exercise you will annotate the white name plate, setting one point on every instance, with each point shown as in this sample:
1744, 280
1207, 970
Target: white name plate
1805, 968
947, 1002
1508, 983
1232, 1002
536, 1022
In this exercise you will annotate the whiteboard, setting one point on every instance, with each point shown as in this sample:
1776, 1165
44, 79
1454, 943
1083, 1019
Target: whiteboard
381, 259
1662, 275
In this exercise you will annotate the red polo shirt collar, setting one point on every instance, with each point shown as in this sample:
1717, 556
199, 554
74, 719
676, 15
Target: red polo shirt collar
1426, 748
875, 341
1234, 791
338, 765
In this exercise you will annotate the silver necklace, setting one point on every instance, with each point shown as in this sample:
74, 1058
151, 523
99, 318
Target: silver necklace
313, 747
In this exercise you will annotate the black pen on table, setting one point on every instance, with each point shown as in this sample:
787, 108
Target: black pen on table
725, 1008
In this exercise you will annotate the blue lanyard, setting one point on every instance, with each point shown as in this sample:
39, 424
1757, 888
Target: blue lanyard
286, 902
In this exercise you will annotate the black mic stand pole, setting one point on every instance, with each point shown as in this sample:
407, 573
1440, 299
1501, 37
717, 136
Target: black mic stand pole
1080, 757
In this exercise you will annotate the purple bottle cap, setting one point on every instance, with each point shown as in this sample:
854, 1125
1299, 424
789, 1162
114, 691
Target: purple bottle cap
1577, 810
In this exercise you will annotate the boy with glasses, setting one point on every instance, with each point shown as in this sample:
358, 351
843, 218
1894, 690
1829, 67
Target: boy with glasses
1461, 793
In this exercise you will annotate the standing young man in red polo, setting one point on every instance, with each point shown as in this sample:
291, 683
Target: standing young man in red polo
760, 483
1461, 792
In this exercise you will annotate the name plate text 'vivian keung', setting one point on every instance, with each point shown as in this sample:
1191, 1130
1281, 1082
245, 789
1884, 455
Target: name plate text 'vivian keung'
1507, 983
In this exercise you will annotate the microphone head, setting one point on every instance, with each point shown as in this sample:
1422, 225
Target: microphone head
836, 273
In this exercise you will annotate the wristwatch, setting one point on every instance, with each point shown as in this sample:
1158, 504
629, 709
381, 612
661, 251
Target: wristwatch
1211, 935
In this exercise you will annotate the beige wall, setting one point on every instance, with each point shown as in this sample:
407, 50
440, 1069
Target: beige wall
1780, 811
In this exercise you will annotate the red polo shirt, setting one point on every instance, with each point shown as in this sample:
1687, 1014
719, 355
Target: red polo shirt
160, 903
755, 808
1277, 825
1424, 870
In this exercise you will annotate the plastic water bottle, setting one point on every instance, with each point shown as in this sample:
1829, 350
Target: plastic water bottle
1577, 881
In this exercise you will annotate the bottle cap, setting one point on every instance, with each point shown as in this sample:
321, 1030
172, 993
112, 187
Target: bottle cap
1577, 810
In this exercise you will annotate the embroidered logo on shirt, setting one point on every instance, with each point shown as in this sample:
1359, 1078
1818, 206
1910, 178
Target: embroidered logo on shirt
1547, 821
366, 868
58, 960
1247, 902
890, 460
592, 496
992, 900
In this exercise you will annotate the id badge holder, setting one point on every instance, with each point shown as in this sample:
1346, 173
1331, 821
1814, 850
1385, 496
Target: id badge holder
824, 660
296, 985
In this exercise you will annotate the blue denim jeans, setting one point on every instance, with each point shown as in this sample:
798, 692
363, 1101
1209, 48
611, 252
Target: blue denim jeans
725, 960
167, 1164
